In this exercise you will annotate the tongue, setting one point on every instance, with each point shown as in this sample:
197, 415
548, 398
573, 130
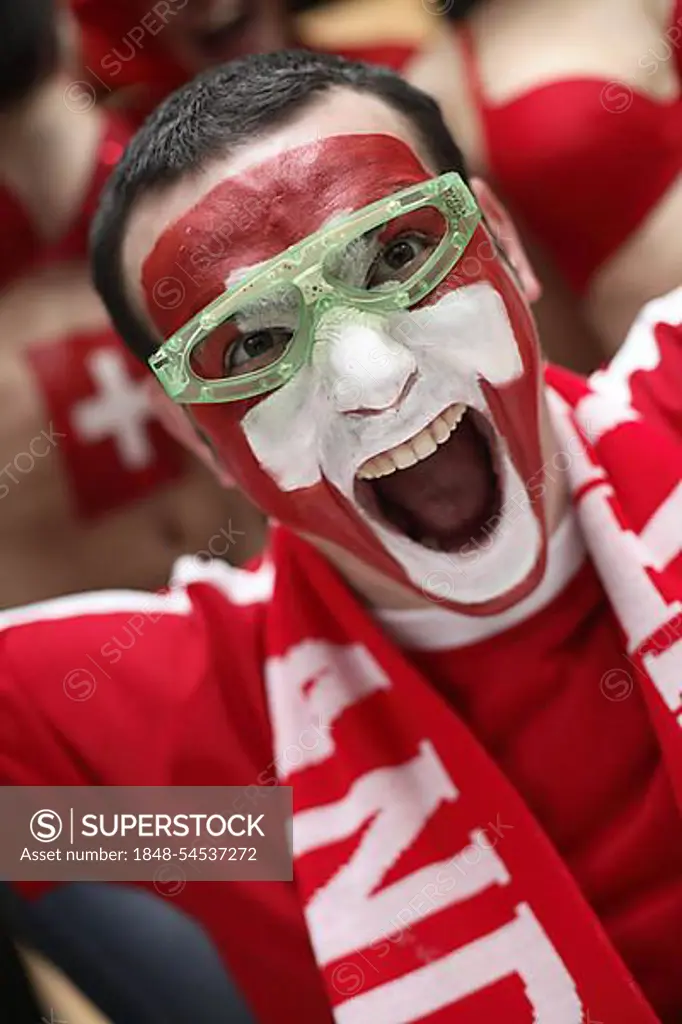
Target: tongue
447, 497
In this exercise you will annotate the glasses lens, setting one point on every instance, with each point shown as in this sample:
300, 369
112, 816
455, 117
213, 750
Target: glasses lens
253, 338
390, 255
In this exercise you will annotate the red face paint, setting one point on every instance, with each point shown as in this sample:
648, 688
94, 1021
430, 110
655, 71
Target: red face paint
113, 450
253, 217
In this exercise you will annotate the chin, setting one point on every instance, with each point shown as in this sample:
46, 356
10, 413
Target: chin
443, 587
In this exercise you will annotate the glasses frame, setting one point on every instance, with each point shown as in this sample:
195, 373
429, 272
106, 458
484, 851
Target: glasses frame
303, 267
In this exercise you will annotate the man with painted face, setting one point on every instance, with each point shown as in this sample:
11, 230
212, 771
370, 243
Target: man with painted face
463, 647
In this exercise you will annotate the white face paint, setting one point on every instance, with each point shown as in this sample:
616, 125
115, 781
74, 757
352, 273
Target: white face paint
373, 383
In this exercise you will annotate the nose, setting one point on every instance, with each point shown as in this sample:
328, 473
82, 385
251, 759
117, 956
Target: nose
363, 367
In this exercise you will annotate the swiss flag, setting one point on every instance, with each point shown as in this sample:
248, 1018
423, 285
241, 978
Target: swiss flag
114, 449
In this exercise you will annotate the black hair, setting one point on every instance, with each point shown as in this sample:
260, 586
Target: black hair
222, 109
29, 47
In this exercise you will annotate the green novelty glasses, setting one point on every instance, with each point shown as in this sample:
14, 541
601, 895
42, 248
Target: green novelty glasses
260, 332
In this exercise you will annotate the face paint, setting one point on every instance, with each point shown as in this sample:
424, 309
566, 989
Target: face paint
113, 450
250, 218
374, 383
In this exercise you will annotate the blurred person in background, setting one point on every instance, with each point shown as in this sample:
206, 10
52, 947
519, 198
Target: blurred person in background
134, 52
93, 491
575, 112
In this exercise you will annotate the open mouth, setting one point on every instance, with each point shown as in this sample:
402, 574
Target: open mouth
441, 487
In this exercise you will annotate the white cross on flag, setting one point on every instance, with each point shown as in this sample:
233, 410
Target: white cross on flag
115, 451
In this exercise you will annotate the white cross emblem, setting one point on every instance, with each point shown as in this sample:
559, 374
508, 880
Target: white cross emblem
120, 409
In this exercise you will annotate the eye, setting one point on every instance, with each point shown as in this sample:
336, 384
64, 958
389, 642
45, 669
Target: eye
399, 260
252, 339
256, 350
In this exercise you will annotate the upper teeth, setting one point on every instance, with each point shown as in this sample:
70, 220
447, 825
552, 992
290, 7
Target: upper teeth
417, 448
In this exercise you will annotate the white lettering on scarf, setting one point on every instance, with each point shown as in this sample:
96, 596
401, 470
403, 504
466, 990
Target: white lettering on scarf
520, 947
316, 681
308, 689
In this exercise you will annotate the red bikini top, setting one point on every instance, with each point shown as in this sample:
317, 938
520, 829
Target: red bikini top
582, 161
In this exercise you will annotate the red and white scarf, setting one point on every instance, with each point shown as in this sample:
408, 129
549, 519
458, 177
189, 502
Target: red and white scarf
429, 890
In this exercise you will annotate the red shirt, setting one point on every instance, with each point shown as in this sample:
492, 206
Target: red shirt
178, 700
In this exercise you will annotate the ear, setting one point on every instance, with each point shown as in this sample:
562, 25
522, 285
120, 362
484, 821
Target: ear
502, 227
179, 423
